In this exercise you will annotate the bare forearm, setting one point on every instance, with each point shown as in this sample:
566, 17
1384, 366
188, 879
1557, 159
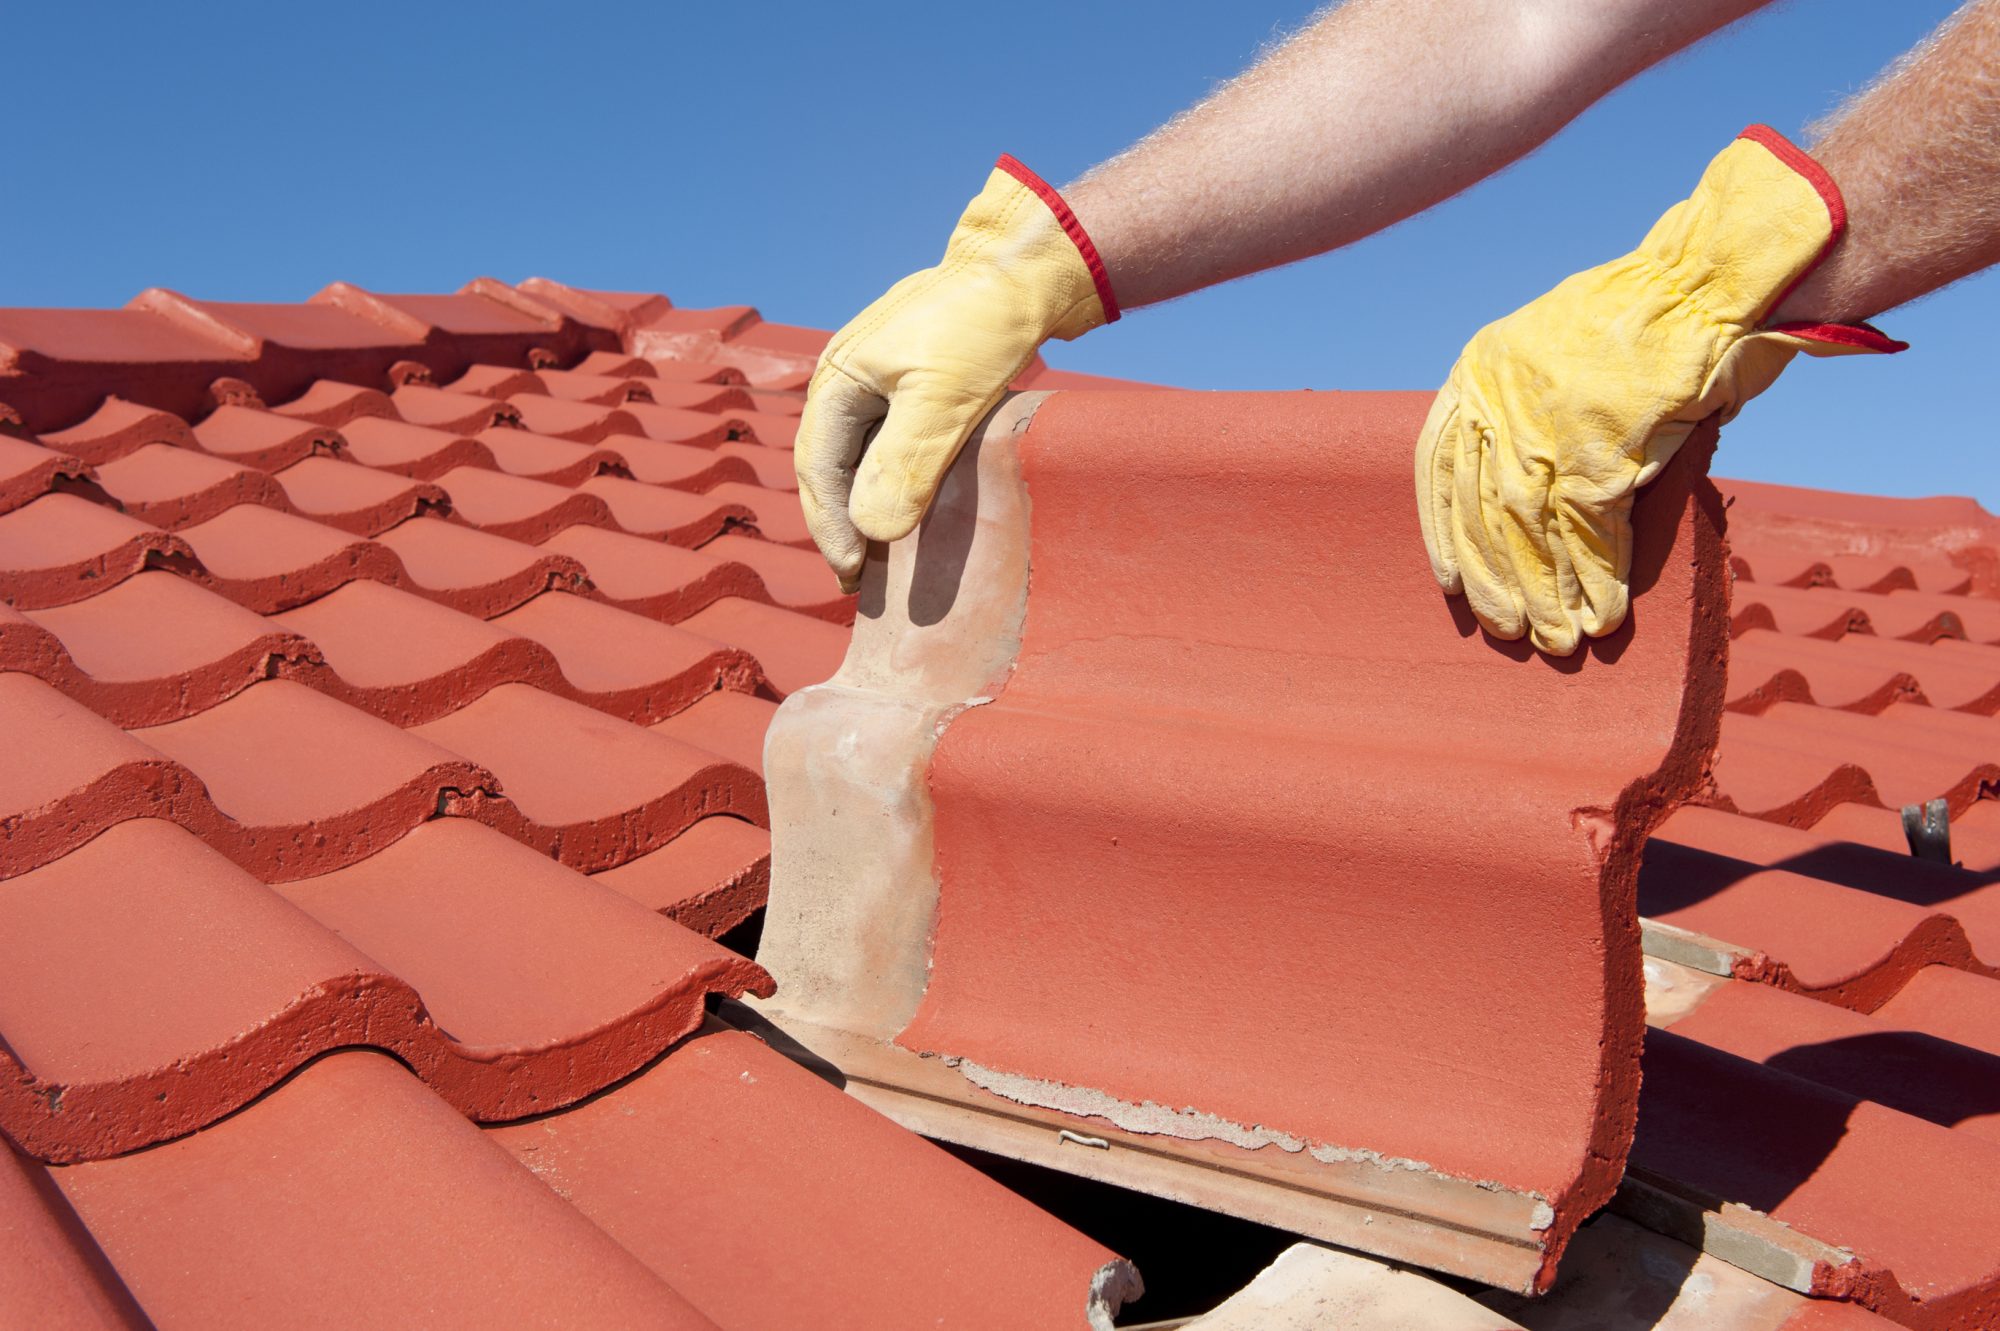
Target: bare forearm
1375, 112
1917, 159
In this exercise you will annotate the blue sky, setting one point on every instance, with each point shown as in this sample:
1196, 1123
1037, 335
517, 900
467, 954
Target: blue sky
801, 157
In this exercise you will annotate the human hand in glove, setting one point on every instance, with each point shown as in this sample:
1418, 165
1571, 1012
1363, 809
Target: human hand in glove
1556, 415
928, 359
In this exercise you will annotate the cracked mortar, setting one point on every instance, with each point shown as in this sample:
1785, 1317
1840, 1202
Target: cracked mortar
1190, 1124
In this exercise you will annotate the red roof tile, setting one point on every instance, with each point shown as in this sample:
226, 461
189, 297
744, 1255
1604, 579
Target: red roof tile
1165, 813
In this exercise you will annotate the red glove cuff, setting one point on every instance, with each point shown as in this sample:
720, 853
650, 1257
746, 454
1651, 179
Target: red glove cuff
1071, 228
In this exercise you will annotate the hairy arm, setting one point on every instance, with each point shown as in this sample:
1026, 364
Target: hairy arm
1372, 113
1917, 158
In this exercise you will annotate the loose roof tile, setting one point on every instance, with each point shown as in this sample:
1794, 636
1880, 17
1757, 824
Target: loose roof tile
1131, 749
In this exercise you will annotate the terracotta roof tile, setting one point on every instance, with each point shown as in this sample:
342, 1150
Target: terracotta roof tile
516, 507
116, 428
670, 515
579, 422
421, 404
61, 548
263, 439
770, 468
728, 724
684, 466
29, 471
774, 513
524, 453
709, 878
475, 571
177, 487
938, 1237
1220, 766
794, 650
240, 988
412, 449
369, 782
650, 577
628, 665
357, 499
407, 659
157, 648
1883, 1207
404, 1202
672, 425
270, 561
587, 788
328, 402
517, 958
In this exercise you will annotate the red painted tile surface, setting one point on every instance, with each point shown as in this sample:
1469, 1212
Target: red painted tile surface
1911, 1199
29, 471
933, 1234
709, 878
1220, 831
62, 548
586, 788
401, 1204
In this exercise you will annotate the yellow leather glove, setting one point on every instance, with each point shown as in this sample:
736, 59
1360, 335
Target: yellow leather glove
1557, 414
932, 356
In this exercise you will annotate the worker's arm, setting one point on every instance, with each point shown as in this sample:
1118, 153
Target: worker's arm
1917, 156
1556, 415
1377, 110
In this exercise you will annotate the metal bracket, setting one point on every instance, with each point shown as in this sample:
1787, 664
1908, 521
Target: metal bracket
1928, 827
